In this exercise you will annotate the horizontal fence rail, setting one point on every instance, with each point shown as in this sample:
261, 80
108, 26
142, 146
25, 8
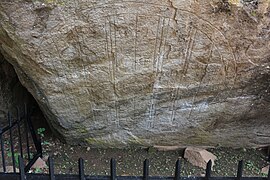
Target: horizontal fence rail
18, 139
22, 175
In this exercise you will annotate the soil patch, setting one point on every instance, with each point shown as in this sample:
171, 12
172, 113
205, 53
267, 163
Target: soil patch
130, 161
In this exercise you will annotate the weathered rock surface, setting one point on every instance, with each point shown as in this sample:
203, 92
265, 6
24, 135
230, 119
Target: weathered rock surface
147, 72
39, 164
265, 170
199, 157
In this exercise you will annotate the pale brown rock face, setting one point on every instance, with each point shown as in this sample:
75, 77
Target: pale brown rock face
148, 72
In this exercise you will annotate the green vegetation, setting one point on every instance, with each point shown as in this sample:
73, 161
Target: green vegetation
40, 132
16, 156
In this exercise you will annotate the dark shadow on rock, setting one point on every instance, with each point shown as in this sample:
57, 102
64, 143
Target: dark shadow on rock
13, 94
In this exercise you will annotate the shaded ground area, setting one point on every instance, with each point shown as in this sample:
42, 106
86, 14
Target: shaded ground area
130, 161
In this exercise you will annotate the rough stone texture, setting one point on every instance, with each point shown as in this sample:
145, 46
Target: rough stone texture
199, 157
147, 72
265, 170
39, 164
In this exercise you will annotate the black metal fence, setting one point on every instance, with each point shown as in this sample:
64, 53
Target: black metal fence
113, 176
20, 148
18, 140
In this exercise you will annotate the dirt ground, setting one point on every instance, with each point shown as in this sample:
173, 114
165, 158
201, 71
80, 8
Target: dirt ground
130, 161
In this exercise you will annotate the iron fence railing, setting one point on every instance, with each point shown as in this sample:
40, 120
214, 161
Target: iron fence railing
18, 139
22, 175
20, 148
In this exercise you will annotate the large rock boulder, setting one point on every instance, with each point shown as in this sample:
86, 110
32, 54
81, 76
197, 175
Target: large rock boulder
147, 72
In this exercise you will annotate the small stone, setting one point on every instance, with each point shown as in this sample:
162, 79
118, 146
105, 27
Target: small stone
39, 164
199, 157
265, 170
88, 148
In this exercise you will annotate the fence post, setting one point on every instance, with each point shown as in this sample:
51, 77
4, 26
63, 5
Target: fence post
21, 167
51, 168
177, 170
81, 169
268, 177
26, 132
208, 170
2, 150
34, 136
113, 169
11, 142
146, 169
240, 169
19, 131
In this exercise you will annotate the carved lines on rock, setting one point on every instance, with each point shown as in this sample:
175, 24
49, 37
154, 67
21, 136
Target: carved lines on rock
118, 67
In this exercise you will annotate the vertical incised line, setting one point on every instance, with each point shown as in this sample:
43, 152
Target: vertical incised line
136, 36
155, 49
107, 51
189, 49
160, 46
201, 79
164, 45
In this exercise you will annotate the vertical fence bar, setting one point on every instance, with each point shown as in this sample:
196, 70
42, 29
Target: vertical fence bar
146, 169
21, 167
37, 142
240, 169
2, 151
26, 132
113, 169
51, 168
268, 177
11, 142
208, 170
19, 132
81, 169
177, 170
